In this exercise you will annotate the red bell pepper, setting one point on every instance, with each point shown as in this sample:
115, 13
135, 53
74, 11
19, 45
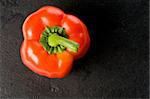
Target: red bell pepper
52, 41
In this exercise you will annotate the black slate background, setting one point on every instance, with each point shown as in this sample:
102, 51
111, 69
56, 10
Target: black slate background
116, 65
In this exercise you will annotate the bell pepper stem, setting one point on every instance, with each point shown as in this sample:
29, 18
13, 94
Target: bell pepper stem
54, 40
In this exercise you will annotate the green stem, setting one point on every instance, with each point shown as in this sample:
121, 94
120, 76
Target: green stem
54, 40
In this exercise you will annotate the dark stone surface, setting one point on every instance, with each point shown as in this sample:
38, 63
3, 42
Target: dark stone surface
116, 65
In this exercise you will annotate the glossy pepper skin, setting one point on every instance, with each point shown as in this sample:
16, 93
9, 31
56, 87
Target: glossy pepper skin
32, 52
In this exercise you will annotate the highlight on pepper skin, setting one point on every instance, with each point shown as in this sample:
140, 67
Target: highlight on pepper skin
52, 41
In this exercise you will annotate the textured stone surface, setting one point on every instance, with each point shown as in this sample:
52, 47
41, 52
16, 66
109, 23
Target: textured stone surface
116, 65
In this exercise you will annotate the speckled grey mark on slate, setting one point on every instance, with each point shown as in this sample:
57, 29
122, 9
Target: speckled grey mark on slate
116, 65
